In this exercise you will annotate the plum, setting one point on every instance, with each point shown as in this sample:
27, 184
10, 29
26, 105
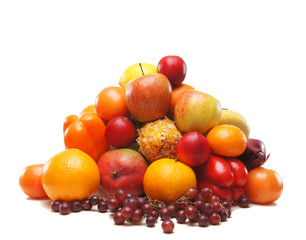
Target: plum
254, 154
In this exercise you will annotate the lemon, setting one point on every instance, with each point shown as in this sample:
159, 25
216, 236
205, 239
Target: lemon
135, 71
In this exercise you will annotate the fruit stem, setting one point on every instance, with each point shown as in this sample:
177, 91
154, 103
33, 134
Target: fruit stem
141, 69
156, 204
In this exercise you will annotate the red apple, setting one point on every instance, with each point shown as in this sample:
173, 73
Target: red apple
196, 111
148, 97
174, 68
122, 169
193, 149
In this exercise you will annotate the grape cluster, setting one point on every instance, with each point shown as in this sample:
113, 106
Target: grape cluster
65, 208
201, 208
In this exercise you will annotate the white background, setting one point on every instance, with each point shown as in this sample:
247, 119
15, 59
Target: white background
56, 56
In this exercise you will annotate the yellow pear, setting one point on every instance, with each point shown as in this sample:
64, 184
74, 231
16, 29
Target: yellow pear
236, 119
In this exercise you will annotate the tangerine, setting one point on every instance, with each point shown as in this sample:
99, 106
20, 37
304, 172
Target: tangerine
111, 103
167, 180
227, 140
70, 175
30, 181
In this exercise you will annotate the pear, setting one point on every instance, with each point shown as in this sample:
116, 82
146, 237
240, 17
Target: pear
234, 118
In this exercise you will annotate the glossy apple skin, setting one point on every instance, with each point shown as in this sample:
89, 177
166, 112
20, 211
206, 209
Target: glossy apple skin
174, 68
254, 155
196, 111
148, 97
193, 149
120, 132
122, 169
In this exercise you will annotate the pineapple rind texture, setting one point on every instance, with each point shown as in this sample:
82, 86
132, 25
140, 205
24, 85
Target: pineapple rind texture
158, 139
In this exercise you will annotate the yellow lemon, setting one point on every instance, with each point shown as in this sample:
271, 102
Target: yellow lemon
135, 71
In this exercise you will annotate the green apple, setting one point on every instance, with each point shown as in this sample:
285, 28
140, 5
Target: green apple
196, 111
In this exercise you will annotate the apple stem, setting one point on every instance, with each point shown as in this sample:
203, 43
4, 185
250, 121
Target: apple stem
141, 69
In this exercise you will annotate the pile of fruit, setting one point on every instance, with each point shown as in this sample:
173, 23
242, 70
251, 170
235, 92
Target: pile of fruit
156, 148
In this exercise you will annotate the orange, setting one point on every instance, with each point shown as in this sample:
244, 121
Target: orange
70, 175
111, 103
176, 92
227, 140
167, 180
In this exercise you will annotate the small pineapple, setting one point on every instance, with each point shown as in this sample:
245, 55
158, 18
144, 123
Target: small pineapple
158, 139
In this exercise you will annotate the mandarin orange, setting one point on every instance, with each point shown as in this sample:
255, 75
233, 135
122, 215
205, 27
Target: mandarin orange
227, 140
168, 179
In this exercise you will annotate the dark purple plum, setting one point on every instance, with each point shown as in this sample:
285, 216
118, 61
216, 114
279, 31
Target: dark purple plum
254, 154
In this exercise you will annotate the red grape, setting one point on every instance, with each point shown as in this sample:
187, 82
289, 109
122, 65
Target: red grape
207, 208
192, 193
141, 201
191, 212
137, 215
203, 220
167, 226
86, 205
118, 218
180, 216
76, 206
127, 212
113, 203
223, 214
173, 209
214, 219
94, 200
121, 195
65, 208
55, 205
147, 208
150, 221
206, 193
164, 213
102, 206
